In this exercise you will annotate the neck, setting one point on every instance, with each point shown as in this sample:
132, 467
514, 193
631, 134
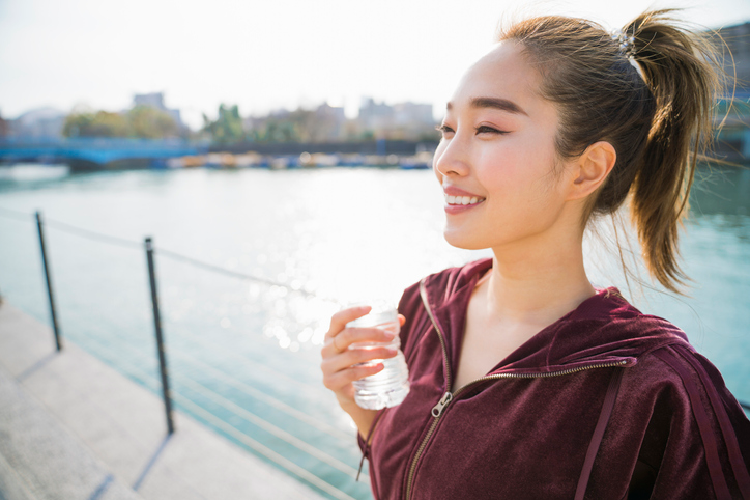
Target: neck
537, 282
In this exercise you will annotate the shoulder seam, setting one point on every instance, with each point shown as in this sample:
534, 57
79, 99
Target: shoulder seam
710, 446
730, 438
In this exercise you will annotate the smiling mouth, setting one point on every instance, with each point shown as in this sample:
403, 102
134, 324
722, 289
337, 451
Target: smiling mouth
463, 200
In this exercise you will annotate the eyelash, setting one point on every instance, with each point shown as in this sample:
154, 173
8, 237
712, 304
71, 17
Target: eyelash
483, 129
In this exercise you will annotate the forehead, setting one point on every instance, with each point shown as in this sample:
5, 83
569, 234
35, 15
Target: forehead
503, 73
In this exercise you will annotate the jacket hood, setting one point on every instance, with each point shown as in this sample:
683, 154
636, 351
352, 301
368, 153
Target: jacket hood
603, 329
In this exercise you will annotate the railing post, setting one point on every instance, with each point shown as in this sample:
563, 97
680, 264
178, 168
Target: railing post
159, 335
45, 263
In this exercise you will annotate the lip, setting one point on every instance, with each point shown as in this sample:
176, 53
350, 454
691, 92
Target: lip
454, 191
457, 209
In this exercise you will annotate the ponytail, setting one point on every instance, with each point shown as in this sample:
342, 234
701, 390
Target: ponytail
657, 117
679, 68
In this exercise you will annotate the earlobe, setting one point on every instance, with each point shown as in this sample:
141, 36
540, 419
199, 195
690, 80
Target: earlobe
592, 169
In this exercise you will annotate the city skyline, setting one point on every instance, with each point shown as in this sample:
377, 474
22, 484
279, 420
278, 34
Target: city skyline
264, 56
319, 123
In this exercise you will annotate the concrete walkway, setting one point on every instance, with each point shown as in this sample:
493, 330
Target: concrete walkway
73, 428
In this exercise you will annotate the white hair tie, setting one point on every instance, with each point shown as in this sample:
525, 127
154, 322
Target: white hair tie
625, 43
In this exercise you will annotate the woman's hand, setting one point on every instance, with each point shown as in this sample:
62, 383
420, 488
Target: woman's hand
338, 361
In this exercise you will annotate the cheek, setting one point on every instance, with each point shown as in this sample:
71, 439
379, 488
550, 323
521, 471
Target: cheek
520, 176
503, 171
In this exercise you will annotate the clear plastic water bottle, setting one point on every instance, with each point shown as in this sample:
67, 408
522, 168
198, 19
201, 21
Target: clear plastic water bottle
389, 386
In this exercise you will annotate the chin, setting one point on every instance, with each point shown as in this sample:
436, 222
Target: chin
462, 241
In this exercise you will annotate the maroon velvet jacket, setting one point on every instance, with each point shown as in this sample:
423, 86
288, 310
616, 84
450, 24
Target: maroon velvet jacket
606, 403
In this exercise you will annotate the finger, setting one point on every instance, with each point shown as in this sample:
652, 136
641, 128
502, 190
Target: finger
344, 316
331, 348
339, 380
352, 335
401, 319
344, 360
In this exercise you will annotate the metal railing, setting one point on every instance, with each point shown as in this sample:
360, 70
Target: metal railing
188, 393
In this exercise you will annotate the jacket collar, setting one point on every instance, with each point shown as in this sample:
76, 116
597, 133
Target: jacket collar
602, 329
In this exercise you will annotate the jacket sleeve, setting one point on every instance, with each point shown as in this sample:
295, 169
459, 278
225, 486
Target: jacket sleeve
409, 305
697, 443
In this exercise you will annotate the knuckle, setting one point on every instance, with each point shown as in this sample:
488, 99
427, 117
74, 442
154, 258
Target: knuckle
343, 337
329, 382
325, 367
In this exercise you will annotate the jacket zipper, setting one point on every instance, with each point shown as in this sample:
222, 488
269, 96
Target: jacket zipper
448, 397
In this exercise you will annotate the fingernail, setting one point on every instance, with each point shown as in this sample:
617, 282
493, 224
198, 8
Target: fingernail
389, 335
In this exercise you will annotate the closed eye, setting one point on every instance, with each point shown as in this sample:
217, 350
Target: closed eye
444, 129
489, 130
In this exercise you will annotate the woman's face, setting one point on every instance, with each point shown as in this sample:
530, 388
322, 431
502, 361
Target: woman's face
496, 160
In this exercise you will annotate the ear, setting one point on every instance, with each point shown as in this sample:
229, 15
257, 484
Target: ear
591, 169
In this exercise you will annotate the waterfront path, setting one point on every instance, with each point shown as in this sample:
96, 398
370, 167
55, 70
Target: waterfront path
73, 428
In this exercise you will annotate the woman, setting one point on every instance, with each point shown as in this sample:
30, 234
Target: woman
526, 381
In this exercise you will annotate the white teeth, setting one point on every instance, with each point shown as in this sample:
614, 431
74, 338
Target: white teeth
462, 200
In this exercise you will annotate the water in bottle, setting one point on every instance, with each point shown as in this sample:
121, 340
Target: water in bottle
389, 386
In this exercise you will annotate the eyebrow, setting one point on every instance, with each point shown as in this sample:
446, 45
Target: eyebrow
493, 103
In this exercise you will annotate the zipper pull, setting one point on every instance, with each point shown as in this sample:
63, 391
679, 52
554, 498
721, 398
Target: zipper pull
444, 401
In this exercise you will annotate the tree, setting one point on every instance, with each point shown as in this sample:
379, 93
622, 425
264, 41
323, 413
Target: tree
227, 128
279, 129
140, 122
98, 124
150, 123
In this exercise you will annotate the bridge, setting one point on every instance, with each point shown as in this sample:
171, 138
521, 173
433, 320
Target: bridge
95, 153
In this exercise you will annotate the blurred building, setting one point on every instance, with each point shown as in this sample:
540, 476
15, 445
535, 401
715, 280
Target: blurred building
332, 121
375, 116
3, 127
41, 123
733, 141
406, 120
413, 114
156, 100
737, 39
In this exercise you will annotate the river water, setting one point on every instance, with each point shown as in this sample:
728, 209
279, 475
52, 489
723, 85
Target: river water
243, 355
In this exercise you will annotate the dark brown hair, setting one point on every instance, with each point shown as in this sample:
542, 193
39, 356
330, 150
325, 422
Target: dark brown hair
658, 120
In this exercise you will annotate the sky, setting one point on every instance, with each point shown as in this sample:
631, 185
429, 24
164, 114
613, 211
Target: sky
266, 55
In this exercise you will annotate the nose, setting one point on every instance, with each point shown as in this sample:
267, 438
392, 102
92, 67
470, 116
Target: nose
451, 158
